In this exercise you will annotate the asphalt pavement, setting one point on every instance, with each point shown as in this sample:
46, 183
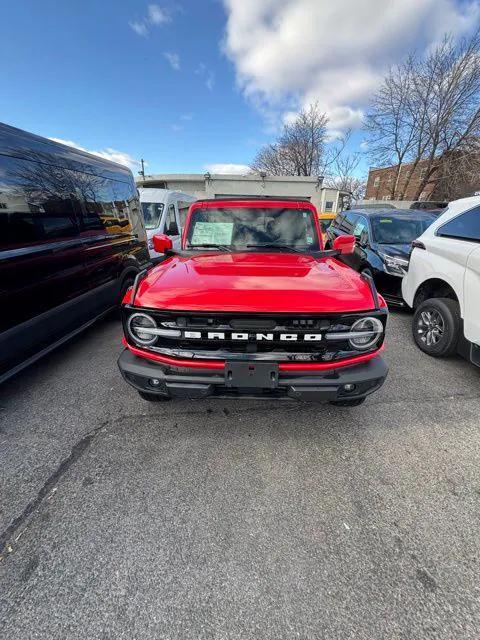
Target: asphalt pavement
238, 519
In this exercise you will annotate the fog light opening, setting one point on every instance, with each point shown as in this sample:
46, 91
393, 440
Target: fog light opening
349, 388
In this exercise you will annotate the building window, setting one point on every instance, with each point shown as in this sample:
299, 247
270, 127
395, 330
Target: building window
376, 182
329, 205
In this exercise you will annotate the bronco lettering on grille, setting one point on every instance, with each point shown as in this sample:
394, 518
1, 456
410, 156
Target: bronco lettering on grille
252, 337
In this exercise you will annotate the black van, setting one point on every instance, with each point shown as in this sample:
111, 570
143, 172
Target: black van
72, 239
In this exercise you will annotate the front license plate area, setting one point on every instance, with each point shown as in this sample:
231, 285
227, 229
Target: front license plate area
261, 375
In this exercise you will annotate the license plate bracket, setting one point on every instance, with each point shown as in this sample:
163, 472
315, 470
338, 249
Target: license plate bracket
260, 375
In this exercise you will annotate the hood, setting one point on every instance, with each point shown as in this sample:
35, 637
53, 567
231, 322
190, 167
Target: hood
254, 282
400, 250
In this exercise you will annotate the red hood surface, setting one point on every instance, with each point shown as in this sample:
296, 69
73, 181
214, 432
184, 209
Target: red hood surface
254, 282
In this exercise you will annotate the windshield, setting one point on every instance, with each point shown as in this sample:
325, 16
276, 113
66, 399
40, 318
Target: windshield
250, 227
391, 230
152, 214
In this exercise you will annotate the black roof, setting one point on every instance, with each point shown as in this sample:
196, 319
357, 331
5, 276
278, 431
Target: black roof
29, 146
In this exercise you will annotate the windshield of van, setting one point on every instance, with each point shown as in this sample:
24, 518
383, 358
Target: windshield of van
252, 228
152, 214
392, 230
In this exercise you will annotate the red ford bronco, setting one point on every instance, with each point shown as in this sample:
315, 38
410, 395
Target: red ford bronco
253, 305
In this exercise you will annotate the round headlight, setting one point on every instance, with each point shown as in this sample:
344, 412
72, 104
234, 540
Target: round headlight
138, 327
368, 332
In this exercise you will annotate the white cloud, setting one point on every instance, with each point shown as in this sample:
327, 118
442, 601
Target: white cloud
229, 168
186, 116
288, 53
122, 157
176, 128
139, 27
173, 59
207, 75
157, 15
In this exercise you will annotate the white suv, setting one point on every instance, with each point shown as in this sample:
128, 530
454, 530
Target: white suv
443, 283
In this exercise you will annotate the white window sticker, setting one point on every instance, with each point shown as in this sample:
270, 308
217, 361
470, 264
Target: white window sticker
212, 233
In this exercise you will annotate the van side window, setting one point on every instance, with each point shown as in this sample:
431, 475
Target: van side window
466, 226
38, 205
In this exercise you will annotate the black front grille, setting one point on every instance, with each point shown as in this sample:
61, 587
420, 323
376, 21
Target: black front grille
212, 336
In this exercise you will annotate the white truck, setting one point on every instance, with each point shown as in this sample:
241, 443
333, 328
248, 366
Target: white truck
443, 283
164, 212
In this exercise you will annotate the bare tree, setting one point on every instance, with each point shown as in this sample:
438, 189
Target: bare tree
390, 120
342, 176
300, 149
452, 75
427, 111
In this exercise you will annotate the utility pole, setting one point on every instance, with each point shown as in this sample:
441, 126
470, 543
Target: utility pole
142, 171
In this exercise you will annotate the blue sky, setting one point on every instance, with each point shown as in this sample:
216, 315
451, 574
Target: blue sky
193, 84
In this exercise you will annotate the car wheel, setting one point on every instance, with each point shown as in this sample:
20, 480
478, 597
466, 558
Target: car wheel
354, 402
152, 397
126, 284
436, 326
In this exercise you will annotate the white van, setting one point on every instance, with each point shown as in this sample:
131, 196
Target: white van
165, 212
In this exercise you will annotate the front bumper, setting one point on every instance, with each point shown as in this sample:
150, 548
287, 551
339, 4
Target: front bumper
321, 386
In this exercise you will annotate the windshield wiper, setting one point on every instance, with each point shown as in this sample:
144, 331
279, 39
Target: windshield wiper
220, 247
274, 245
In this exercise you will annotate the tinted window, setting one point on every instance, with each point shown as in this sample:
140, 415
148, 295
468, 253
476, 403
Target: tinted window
392, 230
42, 202
337, 221
107, 204
39, 203
348, 223
360, 227
466, 226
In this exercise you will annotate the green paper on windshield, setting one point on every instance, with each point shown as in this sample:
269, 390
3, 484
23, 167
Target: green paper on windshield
212, 233
383, 220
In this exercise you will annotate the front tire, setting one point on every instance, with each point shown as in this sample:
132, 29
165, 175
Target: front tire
152, 397
437, 326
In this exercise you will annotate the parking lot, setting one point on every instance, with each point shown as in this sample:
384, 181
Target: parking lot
238, 519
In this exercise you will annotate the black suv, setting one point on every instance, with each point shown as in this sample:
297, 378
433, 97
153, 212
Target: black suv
383, 244
72, 239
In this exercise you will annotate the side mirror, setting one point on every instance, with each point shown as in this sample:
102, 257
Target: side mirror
344, 244
162, 243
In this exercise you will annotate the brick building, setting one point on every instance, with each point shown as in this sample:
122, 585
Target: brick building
455, 177
381, 183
